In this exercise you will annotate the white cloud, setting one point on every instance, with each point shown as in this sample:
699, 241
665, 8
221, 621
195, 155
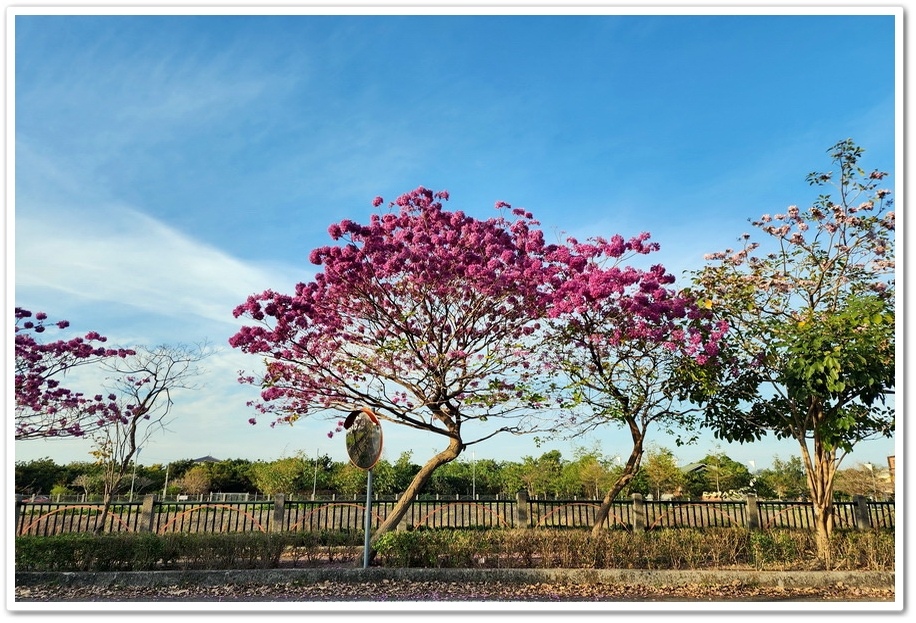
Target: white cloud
122, 256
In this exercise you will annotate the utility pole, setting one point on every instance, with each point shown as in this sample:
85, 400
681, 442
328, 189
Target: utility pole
315, 477
134, 476
473, 476
874, 482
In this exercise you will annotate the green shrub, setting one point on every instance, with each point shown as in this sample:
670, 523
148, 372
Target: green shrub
146, 551
674, 548
871, 550
780, 549
88, 552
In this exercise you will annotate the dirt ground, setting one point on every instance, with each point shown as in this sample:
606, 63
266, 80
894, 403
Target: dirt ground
438, 591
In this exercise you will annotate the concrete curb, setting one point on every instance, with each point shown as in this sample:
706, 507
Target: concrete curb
639, 577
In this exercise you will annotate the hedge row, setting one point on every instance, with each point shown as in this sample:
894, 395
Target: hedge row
723, 548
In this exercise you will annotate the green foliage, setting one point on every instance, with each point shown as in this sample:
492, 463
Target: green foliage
407, 549
657, 549
722, 474
785, 480
88, 552
677, 548
180, 550
286, 475
844, 358
779, 549
60, 490
810, 310
662, 472
38, 476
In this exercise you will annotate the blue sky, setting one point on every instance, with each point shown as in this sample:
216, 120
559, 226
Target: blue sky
167, 166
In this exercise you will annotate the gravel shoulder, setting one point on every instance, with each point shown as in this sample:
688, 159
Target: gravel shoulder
412, 586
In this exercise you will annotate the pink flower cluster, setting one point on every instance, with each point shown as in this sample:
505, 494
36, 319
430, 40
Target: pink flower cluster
451, 310
44, 407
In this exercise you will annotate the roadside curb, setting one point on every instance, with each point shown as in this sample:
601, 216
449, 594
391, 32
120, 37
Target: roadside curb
639, 577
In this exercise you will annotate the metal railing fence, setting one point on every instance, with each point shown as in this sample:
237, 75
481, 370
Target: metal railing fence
281, 514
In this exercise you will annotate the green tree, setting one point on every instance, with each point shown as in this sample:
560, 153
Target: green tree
487, 477
542, 476
810, 349
856, 480
786, 478
37, 476
286, 475
231, 476
589, 474
195, 481
723, 474
662, 472
347, 479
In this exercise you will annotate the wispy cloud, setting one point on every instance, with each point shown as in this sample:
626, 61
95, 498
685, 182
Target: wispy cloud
122, 256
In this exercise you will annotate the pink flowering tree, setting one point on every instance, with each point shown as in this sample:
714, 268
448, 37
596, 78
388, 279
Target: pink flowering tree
812, 356
45, 407
619, 336
426, 316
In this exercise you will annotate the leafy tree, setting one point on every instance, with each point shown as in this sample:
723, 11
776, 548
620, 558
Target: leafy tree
811, 355
589, 474
44, 407
286, 475
661, 472
423, 315
510, 475
88, 483
195, 481
619, 335
487, 478
724, 474
855, 480
58, 490
318, 475
37, 476
173, 471
404, 471
542, 476
786, 478
451, 479
347, 479
231, 475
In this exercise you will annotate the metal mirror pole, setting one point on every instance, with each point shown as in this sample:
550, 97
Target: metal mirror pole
367, 522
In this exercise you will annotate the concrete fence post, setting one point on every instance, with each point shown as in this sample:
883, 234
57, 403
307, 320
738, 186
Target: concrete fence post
863, 517
640, 521
753, 513
147, 513
521, 509
406, 522
276, 524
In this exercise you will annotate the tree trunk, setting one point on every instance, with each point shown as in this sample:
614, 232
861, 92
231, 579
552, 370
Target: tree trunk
106, 508
821, 470
629, 471
403, 504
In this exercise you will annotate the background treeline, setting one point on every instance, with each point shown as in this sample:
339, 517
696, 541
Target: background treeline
587, 474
